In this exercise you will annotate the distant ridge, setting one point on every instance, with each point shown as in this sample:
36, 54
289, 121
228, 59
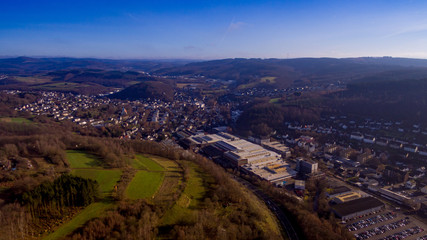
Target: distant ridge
245, 72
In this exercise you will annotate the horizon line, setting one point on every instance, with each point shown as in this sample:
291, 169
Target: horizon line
189, 59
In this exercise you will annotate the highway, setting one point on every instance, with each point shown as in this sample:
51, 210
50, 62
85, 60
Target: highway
281, 216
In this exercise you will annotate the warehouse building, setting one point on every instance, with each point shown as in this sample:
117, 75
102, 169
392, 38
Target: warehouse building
357, 207
241, 152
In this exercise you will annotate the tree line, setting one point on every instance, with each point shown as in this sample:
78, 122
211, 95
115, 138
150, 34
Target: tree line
65, 191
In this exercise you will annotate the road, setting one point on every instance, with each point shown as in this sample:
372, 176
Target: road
281, 216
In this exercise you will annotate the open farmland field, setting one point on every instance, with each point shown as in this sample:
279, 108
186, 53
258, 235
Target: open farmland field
167, 164
81, 159
15, 120
59, 86
106, 178
87, 165
183, 210
145, 163
33, 79
268, 79
92, 211
144, 184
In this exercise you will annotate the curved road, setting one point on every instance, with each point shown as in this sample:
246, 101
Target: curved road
283, 219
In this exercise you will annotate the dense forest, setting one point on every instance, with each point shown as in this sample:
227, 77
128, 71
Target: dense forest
64, 191
148, 89
391, 99
397, 100
263, 118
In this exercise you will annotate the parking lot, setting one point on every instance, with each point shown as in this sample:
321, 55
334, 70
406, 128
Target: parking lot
386, 225
422, 237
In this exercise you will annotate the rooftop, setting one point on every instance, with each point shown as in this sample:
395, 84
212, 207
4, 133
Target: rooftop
357, 205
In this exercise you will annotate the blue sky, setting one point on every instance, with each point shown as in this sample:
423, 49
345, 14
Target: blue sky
208, 29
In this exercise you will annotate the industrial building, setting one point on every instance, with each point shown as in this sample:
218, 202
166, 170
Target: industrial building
357, 207
306, 166
393, 196
240, 152
252, 158
278, 148
278, 173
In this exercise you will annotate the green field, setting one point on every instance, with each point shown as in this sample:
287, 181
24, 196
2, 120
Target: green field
15, 120
106, 178
167, 164
33, 79
80, 159
268, 79
274, 100
189, 199
142, 162
88, 166
144, 184
133, 83
61, 86
92, 211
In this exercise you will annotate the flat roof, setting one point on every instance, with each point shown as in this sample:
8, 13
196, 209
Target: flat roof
357, 205
340, 189
348, 196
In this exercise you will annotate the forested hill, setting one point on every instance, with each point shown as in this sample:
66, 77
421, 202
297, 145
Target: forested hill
145, 90
396, 100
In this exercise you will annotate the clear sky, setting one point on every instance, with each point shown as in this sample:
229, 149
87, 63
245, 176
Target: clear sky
211, 29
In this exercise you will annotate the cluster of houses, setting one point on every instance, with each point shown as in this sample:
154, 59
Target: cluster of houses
280, 92
368, 131
391, 143
148, 119
353, 166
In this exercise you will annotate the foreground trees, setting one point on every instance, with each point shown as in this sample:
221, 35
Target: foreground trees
47, 201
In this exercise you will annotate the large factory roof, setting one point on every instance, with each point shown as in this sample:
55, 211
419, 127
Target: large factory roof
357, 205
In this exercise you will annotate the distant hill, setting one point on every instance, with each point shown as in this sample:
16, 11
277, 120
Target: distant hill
145, 90
245, 73
106, 78
294, 72
405, 62
27, 65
